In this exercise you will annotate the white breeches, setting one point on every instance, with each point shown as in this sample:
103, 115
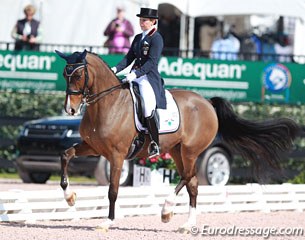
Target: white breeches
147, 94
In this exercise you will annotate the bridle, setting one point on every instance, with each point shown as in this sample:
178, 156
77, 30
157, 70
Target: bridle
87, 98
69, 70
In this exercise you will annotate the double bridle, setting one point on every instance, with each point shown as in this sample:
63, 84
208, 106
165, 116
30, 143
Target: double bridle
87, 97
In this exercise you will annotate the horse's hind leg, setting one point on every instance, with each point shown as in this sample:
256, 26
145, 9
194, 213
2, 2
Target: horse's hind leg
168, 207
189, 157
187, 171
81, 149
192, 189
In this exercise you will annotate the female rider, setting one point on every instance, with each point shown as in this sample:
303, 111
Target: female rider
146, 50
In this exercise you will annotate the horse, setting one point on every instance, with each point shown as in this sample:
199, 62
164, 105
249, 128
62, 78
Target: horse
107, 128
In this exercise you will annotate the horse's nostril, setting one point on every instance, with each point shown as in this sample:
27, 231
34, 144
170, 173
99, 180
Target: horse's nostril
72, 111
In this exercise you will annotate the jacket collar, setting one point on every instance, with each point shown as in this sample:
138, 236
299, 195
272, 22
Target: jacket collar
150, 31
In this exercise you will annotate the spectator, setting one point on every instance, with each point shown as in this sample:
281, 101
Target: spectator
207, 35
27, 33
119, 30
283, 48
227, 46
268, 50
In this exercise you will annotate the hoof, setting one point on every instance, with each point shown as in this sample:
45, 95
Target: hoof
102, 229
167, 217
71, 199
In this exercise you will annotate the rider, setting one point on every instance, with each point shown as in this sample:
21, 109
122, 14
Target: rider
146, 50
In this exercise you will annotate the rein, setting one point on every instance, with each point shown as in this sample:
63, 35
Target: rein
87, 98
93, 98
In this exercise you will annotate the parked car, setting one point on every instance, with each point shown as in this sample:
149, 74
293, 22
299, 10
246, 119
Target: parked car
40, 144
42, 141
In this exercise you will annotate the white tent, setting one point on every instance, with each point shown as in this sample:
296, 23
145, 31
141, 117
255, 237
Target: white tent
82, 22
198, 8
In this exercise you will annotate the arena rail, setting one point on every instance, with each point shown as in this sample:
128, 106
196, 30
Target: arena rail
30, 206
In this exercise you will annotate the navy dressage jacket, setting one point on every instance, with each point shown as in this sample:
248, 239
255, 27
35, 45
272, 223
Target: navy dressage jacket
146, 53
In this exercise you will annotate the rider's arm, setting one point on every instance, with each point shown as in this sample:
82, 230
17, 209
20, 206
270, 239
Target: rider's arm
129, 57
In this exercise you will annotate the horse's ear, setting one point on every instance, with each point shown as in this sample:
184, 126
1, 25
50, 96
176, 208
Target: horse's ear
83, 54
62, 55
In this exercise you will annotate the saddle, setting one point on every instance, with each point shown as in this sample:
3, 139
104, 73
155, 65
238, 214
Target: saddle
139, 103
168, 120
139, 140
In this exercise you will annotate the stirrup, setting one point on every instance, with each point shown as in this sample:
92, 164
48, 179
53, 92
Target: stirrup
153, 149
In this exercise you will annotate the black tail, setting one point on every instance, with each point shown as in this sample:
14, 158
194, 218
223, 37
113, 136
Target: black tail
260, 142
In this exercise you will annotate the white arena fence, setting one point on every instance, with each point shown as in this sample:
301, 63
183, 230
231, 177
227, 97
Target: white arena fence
29, 206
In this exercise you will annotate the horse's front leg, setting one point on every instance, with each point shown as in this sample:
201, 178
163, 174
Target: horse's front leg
81, 149
64, 182
116, 165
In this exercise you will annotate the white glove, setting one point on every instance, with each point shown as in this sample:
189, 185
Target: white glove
130, 77
114, 70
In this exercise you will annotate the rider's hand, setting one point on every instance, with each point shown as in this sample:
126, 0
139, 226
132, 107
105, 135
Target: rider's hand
130, 77
114, 70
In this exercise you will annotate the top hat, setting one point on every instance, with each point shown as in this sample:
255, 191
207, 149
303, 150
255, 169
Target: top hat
148, 13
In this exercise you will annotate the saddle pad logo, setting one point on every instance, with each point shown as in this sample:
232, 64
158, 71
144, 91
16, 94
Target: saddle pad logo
277, 77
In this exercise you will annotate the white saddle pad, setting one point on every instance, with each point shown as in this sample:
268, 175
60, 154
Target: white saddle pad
169, 118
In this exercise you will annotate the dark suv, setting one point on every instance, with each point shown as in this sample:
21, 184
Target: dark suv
40, 144
42, 141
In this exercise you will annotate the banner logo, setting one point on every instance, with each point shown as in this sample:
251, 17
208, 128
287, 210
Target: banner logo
276, 77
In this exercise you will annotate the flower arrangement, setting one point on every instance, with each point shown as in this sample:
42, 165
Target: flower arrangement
164, 160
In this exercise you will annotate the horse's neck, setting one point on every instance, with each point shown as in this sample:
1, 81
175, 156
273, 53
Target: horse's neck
109, 111
108, 100
103, 77
104, 80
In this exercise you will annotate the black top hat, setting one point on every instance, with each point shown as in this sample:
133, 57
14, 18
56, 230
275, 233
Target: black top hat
148, 13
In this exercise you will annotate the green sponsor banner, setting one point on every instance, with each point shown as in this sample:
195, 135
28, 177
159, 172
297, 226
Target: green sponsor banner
35, 71
236, 80
233, 80
30, 71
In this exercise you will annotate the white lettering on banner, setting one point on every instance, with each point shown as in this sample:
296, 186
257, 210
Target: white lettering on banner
206, 83
29, 75
27, 85
202, 71
32, 62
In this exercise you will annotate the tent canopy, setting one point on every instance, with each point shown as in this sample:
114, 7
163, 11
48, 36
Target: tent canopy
197, 8
201, 8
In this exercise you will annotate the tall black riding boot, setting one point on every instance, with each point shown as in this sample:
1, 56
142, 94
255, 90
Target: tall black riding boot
154, 136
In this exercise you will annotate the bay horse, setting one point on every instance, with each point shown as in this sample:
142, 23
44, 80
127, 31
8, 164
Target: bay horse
108, 129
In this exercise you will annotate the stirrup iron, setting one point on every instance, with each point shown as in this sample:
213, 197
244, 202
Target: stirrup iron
153, 149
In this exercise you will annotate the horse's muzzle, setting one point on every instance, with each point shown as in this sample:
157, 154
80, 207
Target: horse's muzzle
70, 111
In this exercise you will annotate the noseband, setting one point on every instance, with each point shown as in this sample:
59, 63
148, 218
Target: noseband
88, 98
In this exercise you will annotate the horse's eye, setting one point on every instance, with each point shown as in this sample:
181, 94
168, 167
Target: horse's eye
77, 76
